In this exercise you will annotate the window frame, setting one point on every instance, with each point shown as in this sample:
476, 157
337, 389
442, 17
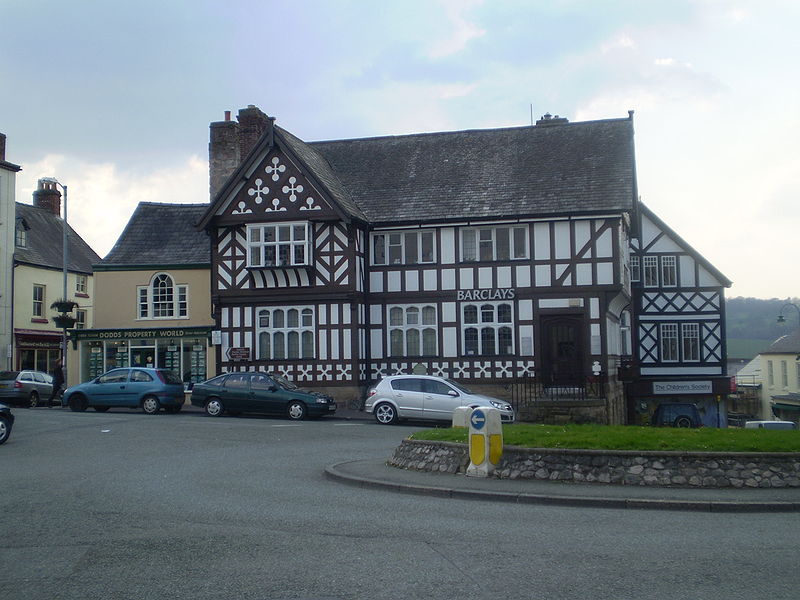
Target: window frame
270, 337
291, 244
481, 242
383, 245
635, 268
80, 319
414, 331
175, 302
81, 283
690, 331
669, 271
650, 271
37, 306
674, 344
487, 320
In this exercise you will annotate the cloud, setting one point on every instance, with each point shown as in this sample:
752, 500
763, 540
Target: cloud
103, 196
463, 31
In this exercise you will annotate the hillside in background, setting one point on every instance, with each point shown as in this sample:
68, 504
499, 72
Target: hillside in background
752, 323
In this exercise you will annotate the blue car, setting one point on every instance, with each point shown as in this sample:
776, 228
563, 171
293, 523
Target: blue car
132, 387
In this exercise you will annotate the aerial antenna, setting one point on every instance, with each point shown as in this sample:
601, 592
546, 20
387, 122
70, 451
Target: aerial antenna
531, 114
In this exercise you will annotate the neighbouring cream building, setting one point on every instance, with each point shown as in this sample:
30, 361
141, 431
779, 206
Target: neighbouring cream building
780, 374
38, 280
152, 297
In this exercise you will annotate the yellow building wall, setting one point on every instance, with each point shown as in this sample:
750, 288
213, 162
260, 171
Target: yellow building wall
25, 276
772, 373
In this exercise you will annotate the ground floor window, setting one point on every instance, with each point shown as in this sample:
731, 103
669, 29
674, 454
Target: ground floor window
285, 333
39, 359
487, 329
412, 330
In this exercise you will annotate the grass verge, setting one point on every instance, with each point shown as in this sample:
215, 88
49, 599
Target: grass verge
603, 437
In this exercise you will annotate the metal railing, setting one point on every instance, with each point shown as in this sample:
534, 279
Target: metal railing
531, 389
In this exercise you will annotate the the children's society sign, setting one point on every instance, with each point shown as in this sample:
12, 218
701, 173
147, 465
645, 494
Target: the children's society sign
682, 387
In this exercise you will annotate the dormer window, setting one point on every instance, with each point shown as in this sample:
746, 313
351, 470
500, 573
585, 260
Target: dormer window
21, 234
278, 245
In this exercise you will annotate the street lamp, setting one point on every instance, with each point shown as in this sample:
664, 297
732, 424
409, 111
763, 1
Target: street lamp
781, 318
65, 255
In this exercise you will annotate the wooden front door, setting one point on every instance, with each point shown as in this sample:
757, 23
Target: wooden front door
562, 351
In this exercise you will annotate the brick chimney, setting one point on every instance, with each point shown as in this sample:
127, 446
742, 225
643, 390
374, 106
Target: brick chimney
48, 197
230, 143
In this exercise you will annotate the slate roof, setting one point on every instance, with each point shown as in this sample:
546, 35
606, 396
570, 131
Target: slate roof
44, 245
787, 344
160, 234
572, 168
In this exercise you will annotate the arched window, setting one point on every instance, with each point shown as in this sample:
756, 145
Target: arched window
163, 299
407, 336
495, 336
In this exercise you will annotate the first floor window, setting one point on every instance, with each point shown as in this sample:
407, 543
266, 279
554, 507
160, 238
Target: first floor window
412, 330
38, 300
80, 319
650, 271
635, 272
669, 342
770, 373
784, 375
494, 243
285, 333
278, 245
81, 283
403, 247
690, 334
162, 299
487, 329
669, 271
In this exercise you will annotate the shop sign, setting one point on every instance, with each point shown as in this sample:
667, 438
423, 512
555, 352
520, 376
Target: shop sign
242, 353
488, 294
682, 387
137, 334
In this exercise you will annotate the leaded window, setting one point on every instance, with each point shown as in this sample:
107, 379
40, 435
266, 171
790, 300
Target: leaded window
487, 329
403, 247
494, 243
412, 330
285, 333
278, 245
669, 342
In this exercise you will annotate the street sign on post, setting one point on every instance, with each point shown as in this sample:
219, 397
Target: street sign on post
485, 441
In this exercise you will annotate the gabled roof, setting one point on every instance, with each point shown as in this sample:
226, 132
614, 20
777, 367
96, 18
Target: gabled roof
570, 168
44, 242
645, 211
160, 234
558, 169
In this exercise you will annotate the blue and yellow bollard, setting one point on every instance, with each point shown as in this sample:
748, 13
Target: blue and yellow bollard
485, 441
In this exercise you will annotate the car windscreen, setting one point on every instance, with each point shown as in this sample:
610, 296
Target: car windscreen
8, 375
171, 378
462, 388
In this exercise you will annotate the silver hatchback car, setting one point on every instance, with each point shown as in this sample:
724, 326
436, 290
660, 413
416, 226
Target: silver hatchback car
25, 388
426, 397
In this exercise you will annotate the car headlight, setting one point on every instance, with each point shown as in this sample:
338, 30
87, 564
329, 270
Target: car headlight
500, 405
321, 400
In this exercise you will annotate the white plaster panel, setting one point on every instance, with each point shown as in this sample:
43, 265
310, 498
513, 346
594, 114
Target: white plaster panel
525, 310
393, 283
583, 274
322, 314
485, 277
448, 237
237, 317
466, 279
665, 244
504, 277
450, 341
412, 281
348, 349
334, 314
594, 308
237, 339
554, 303
542, 275
687, 271
541, 241
448, 279
562, 233
649, 231
448, 312
605, 273
248, 316
376, 343
705, 278
430, 280
526, 340
226, 317
323, 346
560, 269
523, 276
583, 234
347, 314
376, 282
376, 314
335, 344
248, 340
604, 246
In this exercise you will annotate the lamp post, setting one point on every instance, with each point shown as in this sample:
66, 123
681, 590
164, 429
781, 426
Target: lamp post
781, 318
65, 256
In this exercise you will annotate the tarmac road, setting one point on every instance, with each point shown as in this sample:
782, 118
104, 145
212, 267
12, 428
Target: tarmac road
124, 505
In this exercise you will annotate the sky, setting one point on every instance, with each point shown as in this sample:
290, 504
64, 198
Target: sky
114, 99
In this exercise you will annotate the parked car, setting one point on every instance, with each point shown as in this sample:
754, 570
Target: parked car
25, 387
259, 392
676, 414
770, 425
427, 398
131, 387
6, 423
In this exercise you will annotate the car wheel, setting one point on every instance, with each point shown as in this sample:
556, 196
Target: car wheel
101, 408
150, 405
5, 430
296, 410
33, 400
78, 403
385, 414
214, 407
682, 421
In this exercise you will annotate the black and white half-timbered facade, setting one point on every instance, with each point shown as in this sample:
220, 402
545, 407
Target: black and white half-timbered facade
489, 256
678, 325
497, 257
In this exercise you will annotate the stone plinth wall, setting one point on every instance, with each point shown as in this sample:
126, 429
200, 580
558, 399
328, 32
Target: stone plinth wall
678, 469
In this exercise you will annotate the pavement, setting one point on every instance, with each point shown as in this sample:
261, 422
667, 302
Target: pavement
376, 473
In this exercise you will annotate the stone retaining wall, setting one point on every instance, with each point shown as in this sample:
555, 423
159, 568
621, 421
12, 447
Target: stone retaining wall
678, 469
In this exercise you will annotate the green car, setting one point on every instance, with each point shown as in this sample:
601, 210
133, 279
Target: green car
259, 392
